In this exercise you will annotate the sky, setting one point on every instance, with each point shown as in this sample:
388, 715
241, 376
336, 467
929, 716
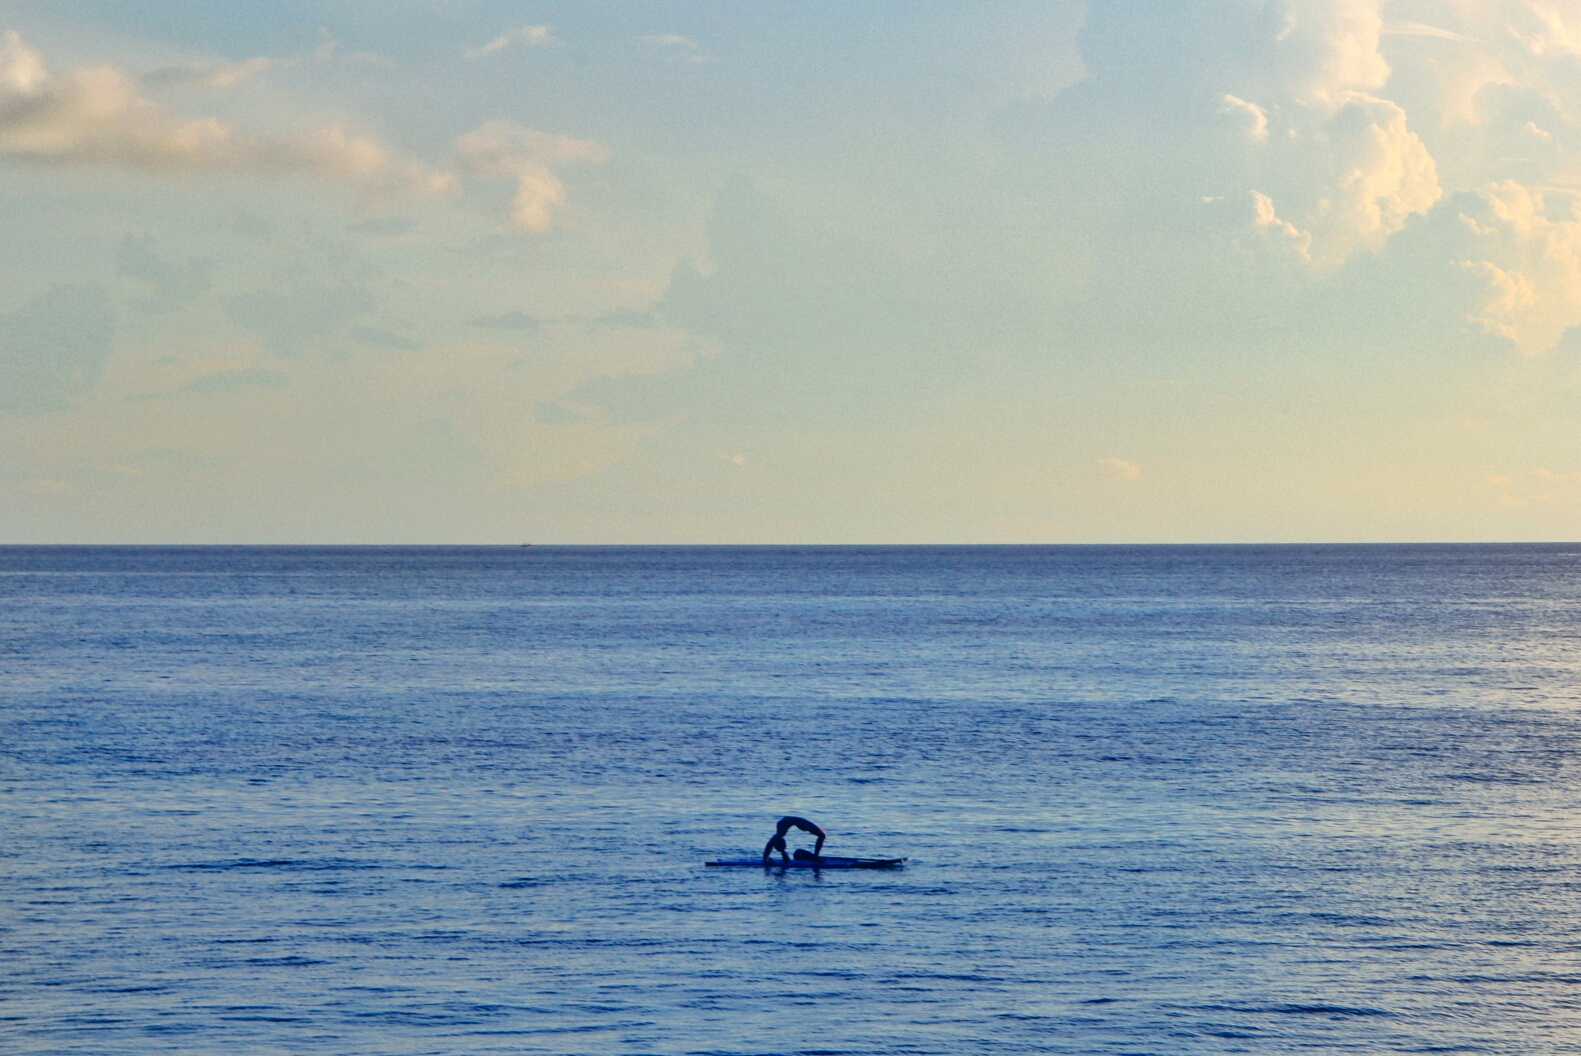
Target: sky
466, 271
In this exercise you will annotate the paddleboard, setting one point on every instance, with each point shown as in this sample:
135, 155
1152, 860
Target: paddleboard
826, 862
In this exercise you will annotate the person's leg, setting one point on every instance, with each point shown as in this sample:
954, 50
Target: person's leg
817, 848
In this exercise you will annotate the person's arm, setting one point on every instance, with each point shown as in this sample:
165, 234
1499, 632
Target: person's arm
767, 850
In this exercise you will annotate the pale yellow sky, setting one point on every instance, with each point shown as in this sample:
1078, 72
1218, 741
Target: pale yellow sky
417, 271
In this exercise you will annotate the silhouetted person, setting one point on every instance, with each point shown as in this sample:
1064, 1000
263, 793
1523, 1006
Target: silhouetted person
777, 841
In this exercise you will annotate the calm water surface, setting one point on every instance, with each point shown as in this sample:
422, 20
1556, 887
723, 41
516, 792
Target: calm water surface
1156, 800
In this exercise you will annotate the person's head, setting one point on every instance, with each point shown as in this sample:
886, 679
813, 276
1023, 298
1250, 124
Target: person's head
777, 844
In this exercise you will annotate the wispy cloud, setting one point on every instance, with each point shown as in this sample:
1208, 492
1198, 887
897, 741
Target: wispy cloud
287, 321
507, 321
234, 380
525, 36
213, 75
329, 52
670, 40
381, 338
677, 47
174, 285
1420, 29
384, 227
1538, 487
631, 318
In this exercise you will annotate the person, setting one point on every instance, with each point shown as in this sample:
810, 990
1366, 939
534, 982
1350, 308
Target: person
777, 841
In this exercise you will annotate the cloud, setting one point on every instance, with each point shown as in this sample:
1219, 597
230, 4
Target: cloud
1323, 152
1420, 29
1543, 29
98, 117
248, 225
370, 58
234, 380
1281, 231
1241, 96
1538, 487
1344, 169
1331, 47
384, 227
1529, 265
1256, 117
631, 318
555, 413
380, 338
1120, 468
670, 40
1452, 73
504, 149
803, 325
286, 321
175, 285
508, 321
676, 47
1381, 173
1348, 181
54, 347
526, 36
213, 75
328, 45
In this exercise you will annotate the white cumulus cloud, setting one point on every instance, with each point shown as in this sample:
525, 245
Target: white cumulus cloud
1380, 174
1346, 170
1328, 48
1280, 102
1529, 264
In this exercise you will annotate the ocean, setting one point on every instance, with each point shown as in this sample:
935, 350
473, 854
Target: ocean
458, 800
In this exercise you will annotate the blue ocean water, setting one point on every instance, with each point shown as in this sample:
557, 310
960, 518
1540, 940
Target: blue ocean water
1156, 800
